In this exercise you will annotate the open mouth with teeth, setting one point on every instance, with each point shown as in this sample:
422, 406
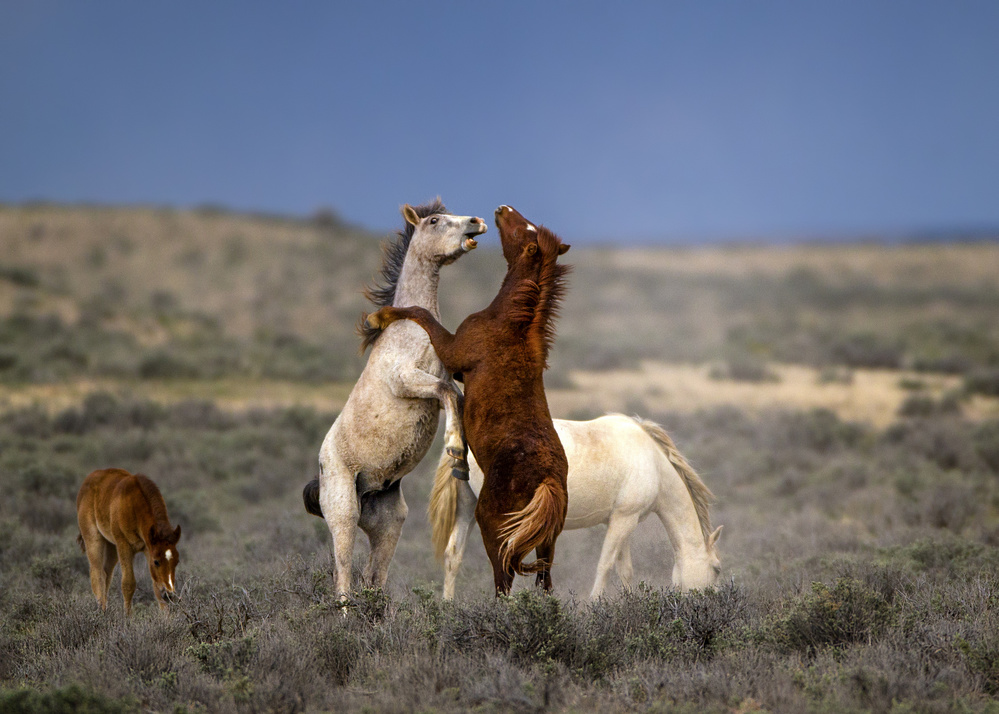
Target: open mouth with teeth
470, 243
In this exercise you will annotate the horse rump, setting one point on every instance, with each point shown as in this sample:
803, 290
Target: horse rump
310, 496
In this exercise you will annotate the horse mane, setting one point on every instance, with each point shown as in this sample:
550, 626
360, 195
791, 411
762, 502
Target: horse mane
382, 292
537, 303
154, 498
700, 494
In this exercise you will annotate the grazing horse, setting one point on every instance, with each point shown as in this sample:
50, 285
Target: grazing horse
621, 469
121, 514
390, 419
501, 353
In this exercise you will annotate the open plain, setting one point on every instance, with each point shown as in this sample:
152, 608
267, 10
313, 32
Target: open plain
841, 401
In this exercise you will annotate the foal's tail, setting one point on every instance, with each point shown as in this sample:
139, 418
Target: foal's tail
310, 495
79, 542
443, 506
537, 523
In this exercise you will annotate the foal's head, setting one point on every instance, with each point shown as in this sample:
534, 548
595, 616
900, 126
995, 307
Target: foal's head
163, 558
441, 238
521, 239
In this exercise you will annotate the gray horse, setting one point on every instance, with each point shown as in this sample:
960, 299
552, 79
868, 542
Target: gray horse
390, 418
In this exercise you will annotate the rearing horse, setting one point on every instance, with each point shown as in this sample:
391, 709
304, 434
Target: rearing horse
501, 354
390, 418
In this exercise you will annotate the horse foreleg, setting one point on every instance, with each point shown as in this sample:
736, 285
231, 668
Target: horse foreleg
414, 383
625, 570
341, 510
125, 558
618, 530
463, 517
382, 517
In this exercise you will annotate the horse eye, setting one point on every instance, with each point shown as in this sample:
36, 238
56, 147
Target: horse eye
433, 221
156, 563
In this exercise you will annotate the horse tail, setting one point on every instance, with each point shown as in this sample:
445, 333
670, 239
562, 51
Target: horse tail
79, 541
443, 506
310, 495
539, 522
700, 494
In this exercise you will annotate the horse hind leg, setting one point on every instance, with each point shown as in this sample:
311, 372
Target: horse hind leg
341, 511
618, 531
110, 556
382, 517
546, 554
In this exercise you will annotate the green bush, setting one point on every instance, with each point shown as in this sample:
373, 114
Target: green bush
847, 613
72, 699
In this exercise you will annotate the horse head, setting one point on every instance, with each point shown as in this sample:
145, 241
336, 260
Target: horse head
441, 238
163, 557
699, 570
520, 237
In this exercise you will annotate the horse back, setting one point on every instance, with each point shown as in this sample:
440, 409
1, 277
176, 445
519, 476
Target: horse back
120, 504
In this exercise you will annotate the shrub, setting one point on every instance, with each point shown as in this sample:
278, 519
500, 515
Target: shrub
984, 382
744, 369
72, 699
846, 613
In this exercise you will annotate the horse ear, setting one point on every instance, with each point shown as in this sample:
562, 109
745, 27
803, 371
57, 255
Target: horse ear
176, 534
409, 213
531, 248
564, 248
713, 538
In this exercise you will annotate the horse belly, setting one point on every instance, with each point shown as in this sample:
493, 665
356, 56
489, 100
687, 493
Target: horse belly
387, 444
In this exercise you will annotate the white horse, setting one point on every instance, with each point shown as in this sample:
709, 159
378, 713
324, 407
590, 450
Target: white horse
390, 418
621, 469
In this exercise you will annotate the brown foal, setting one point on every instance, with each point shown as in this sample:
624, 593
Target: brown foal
121, 514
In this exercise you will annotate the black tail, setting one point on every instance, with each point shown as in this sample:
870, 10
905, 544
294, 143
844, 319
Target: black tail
310, 495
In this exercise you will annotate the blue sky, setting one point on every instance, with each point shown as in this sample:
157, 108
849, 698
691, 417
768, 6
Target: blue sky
625, 122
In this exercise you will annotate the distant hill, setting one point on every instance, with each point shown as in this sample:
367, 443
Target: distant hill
161, 293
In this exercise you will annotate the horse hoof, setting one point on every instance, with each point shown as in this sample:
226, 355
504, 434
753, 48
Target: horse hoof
456, 453
460, 471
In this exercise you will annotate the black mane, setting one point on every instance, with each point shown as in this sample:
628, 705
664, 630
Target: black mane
382, 293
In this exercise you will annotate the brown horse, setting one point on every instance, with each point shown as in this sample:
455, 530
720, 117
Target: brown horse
121, 514
501, 353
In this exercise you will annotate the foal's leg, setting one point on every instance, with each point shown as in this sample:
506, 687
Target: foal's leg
94, 546
110, 556
382, 516
463, 517
125, 558
341, 510
618, 530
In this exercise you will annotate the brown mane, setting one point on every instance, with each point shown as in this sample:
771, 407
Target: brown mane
382, 292
551, 289
501, 352
157, 506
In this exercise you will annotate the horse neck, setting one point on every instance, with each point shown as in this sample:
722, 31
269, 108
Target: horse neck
417, 285
155, 514
679, 516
